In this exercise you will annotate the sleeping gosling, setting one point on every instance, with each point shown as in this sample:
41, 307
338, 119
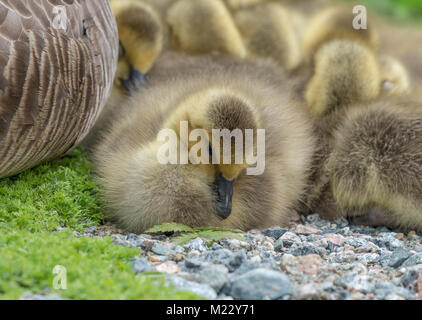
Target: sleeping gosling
203, 26
206, 93
375, 169
268, 31
141, 41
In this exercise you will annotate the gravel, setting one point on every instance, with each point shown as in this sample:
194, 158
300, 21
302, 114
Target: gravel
260, 284
314, 259
141, 265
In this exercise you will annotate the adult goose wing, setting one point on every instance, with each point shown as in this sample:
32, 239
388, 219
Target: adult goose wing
57, 63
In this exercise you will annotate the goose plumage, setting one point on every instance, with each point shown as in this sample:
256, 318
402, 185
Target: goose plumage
53, 81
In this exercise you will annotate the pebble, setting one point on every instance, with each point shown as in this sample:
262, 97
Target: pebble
140, 265
216, 276
169, 267
413, 260
290, 237
260, 284
309, 291
399, 256
335, 239
193, 263
200, 289
196, 244
275, 232
162, 250
315, 259
306, 230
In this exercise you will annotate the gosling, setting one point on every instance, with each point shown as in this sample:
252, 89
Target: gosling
141, 41
208, 93
375, 169
268, 31
203, 26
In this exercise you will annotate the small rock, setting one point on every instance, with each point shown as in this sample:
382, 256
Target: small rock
369, 258
309, 291
196, 244
306, 230
255, 259
361, 284
290, 236
399, 236
234, 244
356, 266
275, 232
193, 253
140, 265
179, 249
132, 236
335, 239
236, 260
200, 289
215, 276
268, 245
309, 264
409, 277
179, 257
218, 256
162, 249
305, 248
399, 256
192, 263
169, 267
413, 260
216, 246
279, 245
388, 241
260, 284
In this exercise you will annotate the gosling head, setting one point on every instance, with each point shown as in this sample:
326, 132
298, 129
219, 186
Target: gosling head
395, 79
345, 72
141, 41
223, 117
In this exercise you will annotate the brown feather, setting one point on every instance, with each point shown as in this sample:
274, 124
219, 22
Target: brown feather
53, 83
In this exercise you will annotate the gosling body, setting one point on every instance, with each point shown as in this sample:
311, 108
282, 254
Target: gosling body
207, 92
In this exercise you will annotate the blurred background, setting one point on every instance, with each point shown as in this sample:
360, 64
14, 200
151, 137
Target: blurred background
408, 11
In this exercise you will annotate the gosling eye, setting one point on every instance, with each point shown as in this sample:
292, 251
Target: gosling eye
386, 85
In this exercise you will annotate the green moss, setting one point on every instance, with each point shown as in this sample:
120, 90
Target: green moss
63, 194
59, 194
95, 268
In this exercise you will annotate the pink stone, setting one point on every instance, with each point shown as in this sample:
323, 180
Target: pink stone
168, 267
335, 239
306, 230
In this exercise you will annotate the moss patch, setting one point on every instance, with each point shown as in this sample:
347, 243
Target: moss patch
62, 194
59, 194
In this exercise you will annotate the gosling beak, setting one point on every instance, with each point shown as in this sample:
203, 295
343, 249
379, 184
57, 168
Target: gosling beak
134, 82
223, 196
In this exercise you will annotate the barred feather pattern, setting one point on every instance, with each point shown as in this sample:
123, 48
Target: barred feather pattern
53, 82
